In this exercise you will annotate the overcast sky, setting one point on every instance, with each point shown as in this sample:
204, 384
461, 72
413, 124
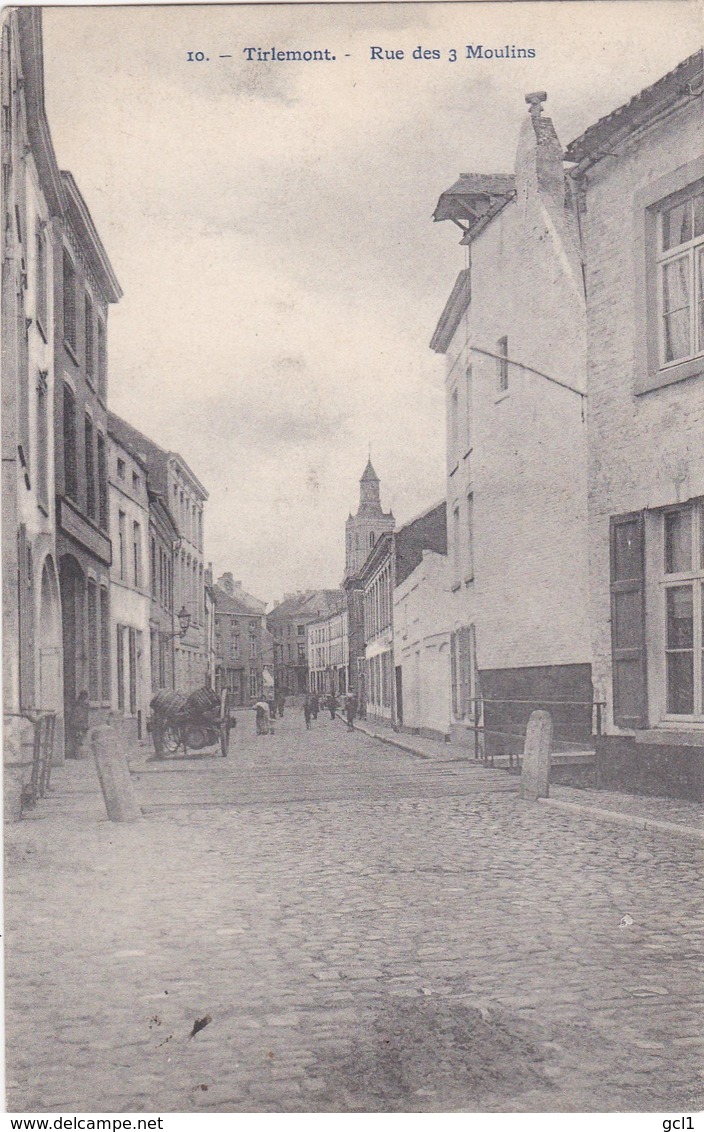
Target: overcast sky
270, 225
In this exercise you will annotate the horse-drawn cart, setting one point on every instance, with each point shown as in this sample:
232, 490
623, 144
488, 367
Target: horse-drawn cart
190, 722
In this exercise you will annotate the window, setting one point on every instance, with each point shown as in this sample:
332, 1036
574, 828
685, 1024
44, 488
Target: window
236, 645
469, 575
669, 285
69, 438
683, 583
252, 647
136, 555
69, 291
120, 668
464, 672
456, 540
453, 428
372, 540
122, 548
90, 469
102, 483
301, 651
301, 630
136, 481
132, 635
157, 572
42, 305
681, 279
93, 639
90, 354
120, 468
468, 410
105, 642
502, 364
43, 441
253, 682
102, 361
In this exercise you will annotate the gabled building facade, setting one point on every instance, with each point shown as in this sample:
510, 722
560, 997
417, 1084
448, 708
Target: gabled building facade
287, 622
171, 478
394, 557
130, 593
163, 627
513, 334
241, 645
328, 655
640, 175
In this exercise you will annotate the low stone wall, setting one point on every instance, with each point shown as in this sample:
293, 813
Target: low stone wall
640, 768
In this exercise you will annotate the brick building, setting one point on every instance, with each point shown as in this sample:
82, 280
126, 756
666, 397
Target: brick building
130, 589
240, 644
513, 333
640, 173
329, 654
287, 622
163, 627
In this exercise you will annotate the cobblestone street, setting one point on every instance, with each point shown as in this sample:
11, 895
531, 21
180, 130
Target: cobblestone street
363, 930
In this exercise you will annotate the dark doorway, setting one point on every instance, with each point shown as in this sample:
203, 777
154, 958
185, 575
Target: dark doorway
399, 693
72, 587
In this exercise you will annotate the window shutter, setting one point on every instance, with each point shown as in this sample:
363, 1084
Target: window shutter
453, 674
25, 588
465, 669
628, 646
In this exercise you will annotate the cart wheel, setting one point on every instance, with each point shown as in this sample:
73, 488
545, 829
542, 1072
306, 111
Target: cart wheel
171, 739
224, 738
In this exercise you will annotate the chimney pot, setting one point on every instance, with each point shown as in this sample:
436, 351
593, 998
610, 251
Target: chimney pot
535, 101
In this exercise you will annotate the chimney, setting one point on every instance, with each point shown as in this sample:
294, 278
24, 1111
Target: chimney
225, 582
539, 168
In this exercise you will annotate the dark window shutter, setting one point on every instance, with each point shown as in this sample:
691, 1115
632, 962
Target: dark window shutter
628, 645
453, 674
465, 662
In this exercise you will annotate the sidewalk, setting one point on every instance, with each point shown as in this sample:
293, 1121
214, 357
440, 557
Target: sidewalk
667, 815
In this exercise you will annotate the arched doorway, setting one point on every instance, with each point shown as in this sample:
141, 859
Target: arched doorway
49, 696
72, 586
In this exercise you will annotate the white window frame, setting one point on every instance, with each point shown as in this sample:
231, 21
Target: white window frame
695, 578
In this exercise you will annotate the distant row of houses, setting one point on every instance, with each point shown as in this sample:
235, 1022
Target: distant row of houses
565, 568
106, 591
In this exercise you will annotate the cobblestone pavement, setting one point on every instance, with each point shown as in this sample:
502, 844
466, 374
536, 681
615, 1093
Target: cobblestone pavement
364, 931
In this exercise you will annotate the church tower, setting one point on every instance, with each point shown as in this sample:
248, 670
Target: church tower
363, 529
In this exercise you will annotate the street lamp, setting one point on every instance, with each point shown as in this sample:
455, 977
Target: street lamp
184, 620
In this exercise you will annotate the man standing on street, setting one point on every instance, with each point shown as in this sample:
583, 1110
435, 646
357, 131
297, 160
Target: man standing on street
307, 712
350, 710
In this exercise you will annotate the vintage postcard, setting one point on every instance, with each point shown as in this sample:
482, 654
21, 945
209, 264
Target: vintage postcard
353, 561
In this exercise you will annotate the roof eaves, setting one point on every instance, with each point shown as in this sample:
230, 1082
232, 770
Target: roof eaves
684, 82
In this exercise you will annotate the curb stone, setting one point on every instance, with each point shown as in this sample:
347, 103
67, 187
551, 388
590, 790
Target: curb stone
635, 821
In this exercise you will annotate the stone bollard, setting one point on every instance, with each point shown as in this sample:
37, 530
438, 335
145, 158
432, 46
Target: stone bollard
114, 774
535, 772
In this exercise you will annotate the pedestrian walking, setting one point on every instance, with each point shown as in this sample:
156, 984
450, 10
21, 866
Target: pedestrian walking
332, 704
77, 725
350, 710
314, 705
307, 712
272, 708
280, 703
262, 710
